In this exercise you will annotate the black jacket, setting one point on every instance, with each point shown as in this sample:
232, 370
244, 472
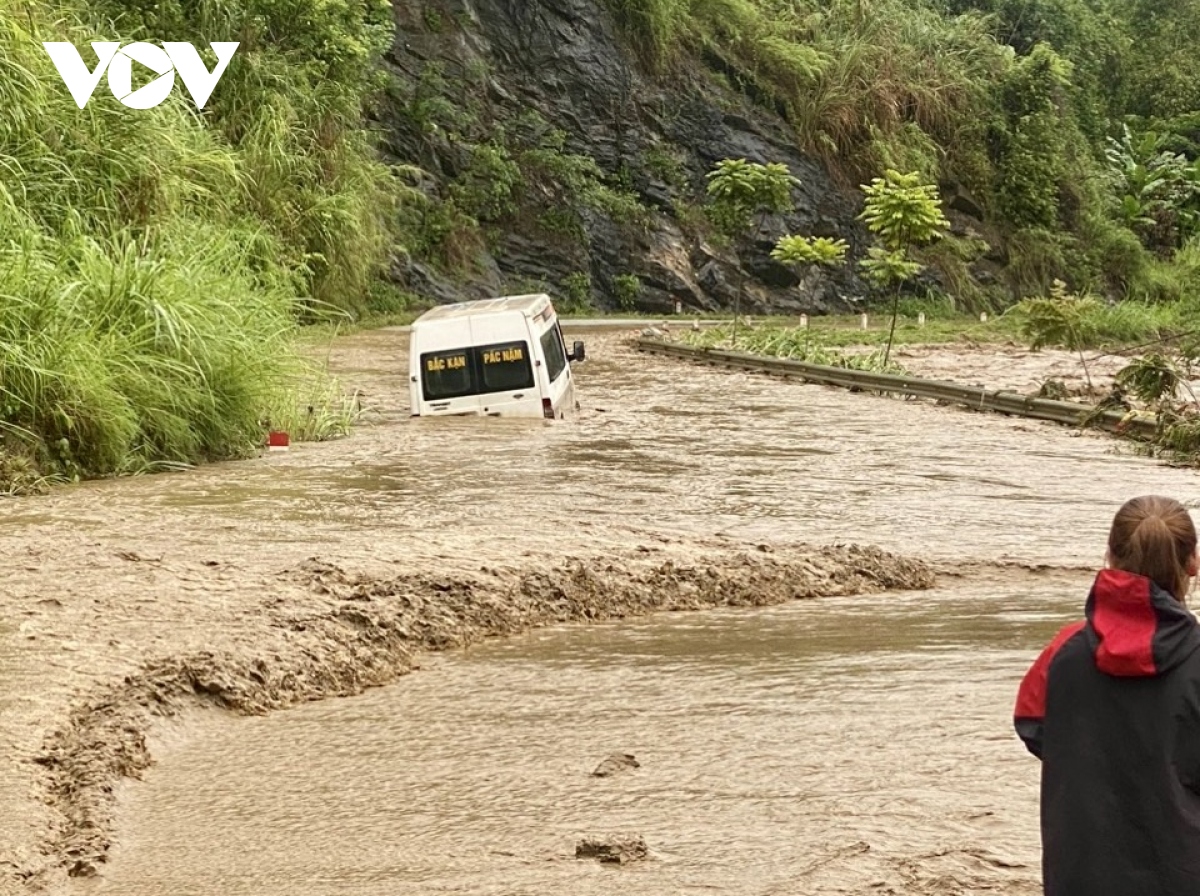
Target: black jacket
1112, 708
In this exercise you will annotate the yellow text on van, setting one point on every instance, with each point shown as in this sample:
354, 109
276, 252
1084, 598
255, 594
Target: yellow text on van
503, 356
455, 362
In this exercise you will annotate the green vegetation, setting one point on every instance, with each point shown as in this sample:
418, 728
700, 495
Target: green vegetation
1061, 319
1158, 190
154, 264
805, 250
1074, 125
576, 289
1082, 321
737, 191
627, 288
290, 111
1152, 378
797, 343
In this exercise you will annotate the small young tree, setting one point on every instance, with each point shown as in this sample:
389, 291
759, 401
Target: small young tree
738, 190
903, 213
1062, 318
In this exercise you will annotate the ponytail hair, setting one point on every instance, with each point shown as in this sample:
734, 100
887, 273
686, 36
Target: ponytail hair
1153, 536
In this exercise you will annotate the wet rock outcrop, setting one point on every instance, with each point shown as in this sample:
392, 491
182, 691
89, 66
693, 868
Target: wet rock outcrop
496, 100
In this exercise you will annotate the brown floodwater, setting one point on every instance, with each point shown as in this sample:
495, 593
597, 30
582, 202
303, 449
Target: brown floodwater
843, 745
673, 448
849, 745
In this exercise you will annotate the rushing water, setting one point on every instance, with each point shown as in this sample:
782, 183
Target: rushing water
840, 745
852, 745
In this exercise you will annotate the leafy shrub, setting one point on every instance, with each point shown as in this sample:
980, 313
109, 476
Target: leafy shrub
1151, 378
578, 289
810, 250
627, 288
486, 190
1028, 137
1061, 318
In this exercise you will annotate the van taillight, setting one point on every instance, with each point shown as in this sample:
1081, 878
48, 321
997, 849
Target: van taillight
547, 409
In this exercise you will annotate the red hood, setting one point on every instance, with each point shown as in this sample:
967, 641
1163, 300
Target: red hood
1136, 628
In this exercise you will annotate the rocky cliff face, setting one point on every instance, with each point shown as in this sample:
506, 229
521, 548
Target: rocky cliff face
503, 102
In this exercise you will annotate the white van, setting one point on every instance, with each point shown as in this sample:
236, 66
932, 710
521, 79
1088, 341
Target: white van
500, 357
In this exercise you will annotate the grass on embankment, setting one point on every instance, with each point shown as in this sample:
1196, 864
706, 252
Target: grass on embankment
1113, 327
128, 358
152, 271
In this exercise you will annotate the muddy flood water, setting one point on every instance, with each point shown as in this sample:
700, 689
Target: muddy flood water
857, 743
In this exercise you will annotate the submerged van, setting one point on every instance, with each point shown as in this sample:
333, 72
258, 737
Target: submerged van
500, 357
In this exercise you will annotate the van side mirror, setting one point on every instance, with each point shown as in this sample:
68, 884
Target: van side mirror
577, 352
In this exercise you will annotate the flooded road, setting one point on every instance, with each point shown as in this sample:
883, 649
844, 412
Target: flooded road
670, 447
848, 744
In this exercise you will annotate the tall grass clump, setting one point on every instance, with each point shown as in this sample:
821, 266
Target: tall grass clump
292, 104
118, 355
654, 26
1175, 279
900, 84
148, 295
903, 83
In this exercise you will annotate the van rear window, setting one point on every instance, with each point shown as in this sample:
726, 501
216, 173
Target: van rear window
447, 374
505, 366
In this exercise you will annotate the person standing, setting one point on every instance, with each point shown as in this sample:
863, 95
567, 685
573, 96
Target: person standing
1112, 709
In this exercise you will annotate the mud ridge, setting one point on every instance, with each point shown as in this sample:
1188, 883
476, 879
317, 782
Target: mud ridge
331, 632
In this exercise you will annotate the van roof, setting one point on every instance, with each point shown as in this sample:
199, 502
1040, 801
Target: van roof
524, 303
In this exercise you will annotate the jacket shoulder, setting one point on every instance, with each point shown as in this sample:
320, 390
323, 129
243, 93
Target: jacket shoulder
1031, 697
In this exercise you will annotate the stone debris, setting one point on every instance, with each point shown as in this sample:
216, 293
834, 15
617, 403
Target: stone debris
616, 848
615, 762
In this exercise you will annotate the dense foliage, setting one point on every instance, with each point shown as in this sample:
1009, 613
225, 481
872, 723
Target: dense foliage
1022, 103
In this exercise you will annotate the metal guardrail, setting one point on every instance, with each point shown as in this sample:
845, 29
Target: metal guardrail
980, 399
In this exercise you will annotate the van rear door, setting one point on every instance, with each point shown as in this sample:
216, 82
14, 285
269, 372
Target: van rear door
506, 379
448, 382
444, 380
504, 364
